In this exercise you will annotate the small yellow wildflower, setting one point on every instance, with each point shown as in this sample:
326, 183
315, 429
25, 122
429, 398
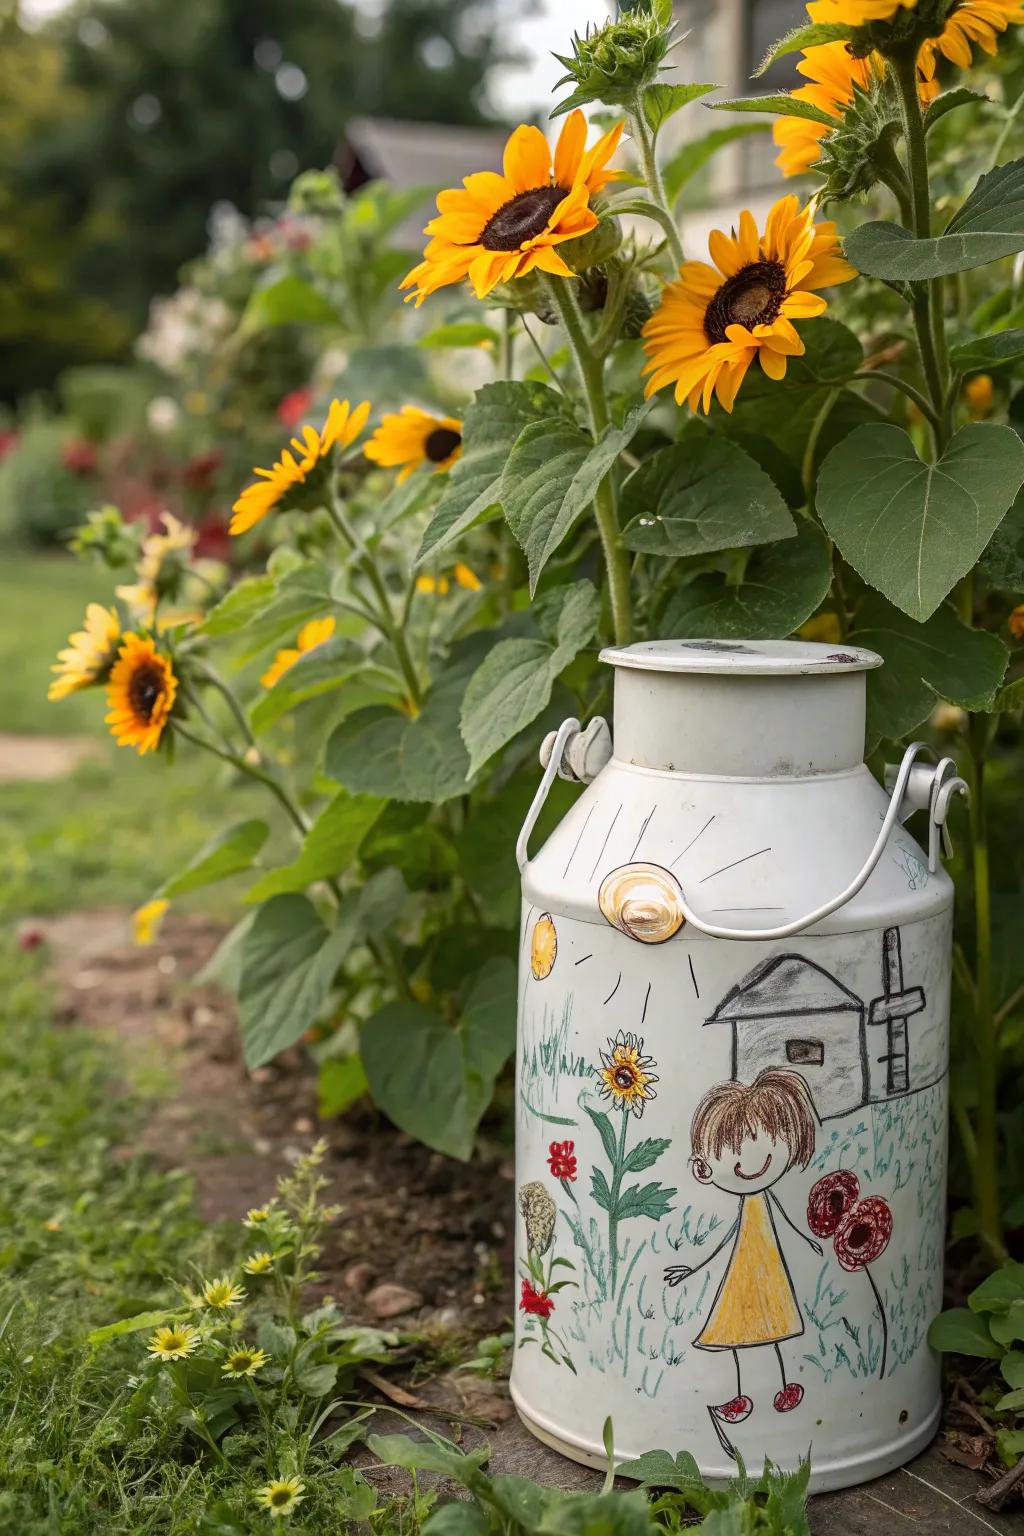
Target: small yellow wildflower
174, 1343
281, 1495
244, 1361
259, 1263
980, 394
256, 1215
464, 577
435, 584
147, 919
222, 1293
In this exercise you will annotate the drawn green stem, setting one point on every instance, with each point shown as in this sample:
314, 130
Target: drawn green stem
613, 1220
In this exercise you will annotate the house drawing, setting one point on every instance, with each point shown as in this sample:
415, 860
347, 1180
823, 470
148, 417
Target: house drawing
790, 1012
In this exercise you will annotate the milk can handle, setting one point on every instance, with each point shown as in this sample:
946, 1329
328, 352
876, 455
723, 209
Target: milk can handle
920, 786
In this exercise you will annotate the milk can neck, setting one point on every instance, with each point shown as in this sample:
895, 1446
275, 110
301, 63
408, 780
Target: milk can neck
729, 724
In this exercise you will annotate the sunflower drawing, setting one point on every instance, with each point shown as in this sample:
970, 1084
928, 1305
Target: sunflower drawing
495, 228
625, 1074
410, 437
343, 425
715, 321
140, 694
89, 653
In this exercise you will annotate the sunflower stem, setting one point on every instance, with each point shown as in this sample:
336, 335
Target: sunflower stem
644, 140
249, 769
895, 382
384, 619
215, 680
591, 372
613, 1220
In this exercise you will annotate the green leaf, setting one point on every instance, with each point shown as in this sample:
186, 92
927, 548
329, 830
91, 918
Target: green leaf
228, 853
288, 301
303, 592
1007, 1327
940, 659
289, 961
383, 752
435, 1081
998, 1291
550, 480
692, 157
465, 333
783, 584
661, 101
990, 225
490, 426
1002, 563
1010, 698
913, 529
322, 669
606, 1131
457, 1518
948, 102
1013, 1368
245, 602
513, 685
651, 1200
810, 35
700, 495
140, 1323
780, 103
660, 1469
429, 1456
340, 1082
1011, 1402
961, 1332
599, 1188
645, 1154
988, 351
328, 849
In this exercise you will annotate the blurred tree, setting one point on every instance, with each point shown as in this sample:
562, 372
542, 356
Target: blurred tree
125, 121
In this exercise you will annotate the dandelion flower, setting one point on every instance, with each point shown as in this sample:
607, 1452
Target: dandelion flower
89, 653
259, 1263
713, 322
342, 427
243, 1361
411, 437
140, 694
495, 228
174, 1343
222, 1294
281, 1495
146, 920
309, 637
626, 1075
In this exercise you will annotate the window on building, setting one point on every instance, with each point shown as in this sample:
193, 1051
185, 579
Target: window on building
805, 1053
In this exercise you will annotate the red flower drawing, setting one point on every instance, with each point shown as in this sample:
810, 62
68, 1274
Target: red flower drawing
830, 1200
562, 1160
863, 1234
535, 1303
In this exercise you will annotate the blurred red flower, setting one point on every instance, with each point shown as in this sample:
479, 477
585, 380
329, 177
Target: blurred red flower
78, 455
31, 938
829, 1201
561, 1159
864, 1232
535, 1302
293, 407
8, 442
201, 468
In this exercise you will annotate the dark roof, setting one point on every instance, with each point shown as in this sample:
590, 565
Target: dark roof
785, 986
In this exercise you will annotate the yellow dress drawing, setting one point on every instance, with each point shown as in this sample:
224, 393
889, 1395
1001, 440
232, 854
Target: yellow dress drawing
755, 1302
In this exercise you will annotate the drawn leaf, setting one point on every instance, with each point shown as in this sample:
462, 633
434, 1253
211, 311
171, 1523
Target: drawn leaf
606, 1132
645, 1154
651, 1200
599, 1189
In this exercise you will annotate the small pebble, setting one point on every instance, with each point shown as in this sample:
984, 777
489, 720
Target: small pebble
390, 1300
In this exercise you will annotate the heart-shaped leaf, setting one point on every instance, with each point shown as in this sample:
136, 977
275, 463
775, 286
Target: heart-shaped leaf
436, 1080
913, 529
940, 659
702, 494
990, 225
289, 960
781, 587
331, 844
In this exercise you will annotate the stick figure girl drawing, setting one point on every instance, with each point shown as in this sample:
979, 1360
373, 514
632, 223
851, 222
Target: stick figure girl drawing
745, 1137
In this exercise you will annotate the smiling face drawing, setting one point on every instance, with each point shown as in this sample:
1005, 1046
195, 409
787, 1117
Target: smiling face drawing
755, 1166
745, 1136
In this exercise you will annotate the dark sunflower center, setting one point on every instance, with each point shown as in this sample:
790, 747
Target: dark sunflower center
859, 1235
523, 217
281, 1496
625, 1077
441, 444
145, 689
752, 296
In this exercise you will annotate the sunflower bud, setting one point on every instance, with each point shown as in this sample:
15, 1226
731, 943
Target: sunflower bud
593, 248
538, 1211
853, 155
612, 63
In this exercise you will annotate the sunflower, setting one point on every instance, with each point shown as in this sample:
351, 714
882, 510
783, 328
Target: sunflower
146, 920
857, 13
833, 73
281, 1495
140, 694
626, 1075
162, 564
174, 1343
342, 427
222, 1294
244, 1361
500, 227
974, 21
711, 324
260, 1263
411, 437
88, 654
309, 637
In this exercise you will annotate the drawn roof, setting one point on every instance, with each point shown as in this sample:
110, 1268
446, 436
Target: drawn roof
783, 987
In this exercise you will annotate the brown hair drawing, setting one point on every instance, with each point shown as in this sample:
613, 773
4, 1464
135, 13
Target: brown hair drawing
777, 1102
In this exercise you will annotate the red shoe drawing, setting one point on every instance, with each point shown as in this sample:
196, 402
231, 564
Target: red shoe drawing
790, 1397
735, 1410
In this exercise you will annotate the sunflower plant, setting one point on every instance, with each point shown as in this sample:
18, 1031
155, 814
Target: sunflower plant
808, 428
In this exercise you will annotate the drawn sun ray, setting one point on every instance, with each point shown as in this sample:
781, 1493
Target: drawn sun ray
747, 856
693, 840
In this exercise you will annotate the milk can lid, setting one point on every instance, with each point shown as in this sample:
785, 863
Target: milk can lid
746, 658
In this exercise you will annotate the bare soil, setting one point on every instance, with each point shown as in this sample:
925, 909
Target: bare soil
44, 757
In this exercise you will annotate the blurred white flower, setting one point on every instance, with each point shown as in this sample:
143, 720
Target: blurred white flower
163, 413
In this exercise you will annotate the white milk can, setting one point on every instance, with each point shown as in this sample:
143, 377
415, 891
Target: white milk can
732, 1072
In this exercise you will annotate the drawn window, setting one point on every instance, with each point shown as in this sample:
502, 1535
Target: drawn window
805, 1053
